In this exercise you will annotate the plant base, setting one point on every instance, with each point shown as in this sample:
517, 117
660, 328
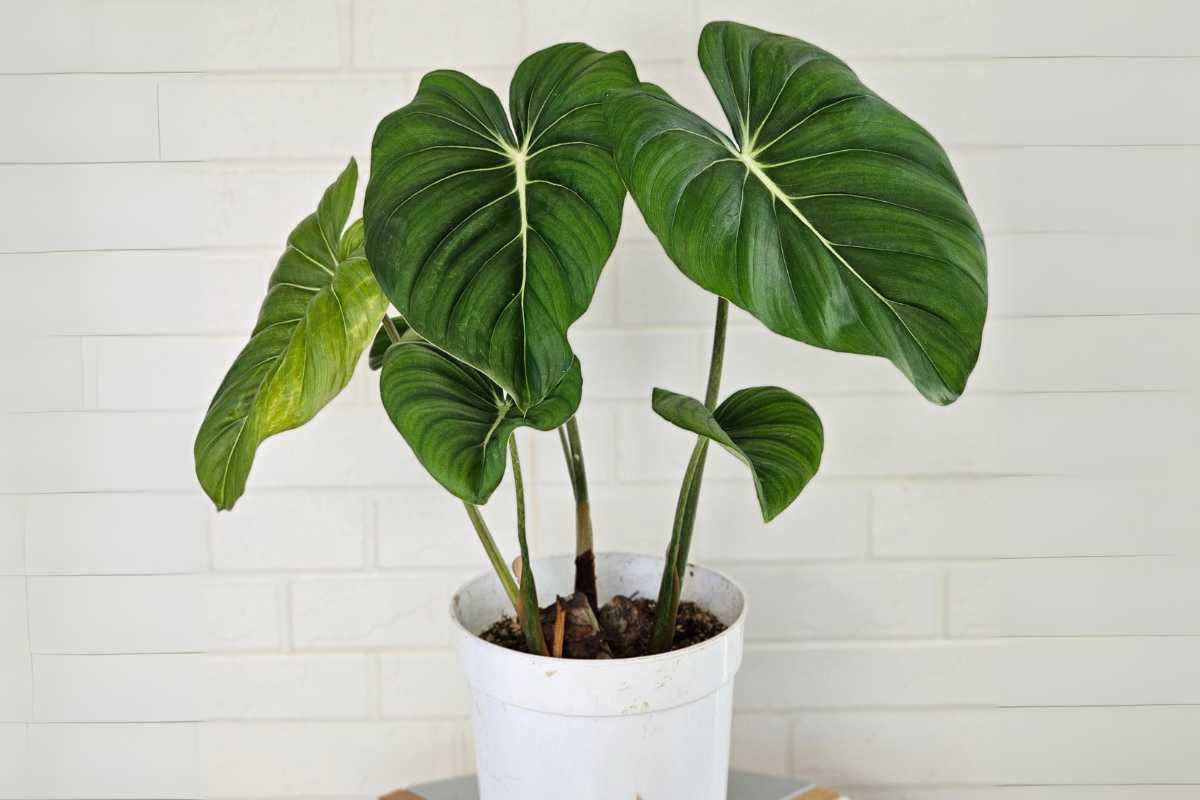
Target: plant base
653, 726
625, 625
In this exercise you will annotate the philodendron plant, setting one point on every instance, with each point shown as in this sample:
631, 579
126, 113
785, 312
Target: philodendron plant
825, 213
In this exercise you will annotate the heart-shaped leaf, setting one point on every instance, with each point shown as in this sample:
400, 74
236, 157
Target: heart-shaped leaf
489, 239
774, 432
830, 216
457, 420
321, 308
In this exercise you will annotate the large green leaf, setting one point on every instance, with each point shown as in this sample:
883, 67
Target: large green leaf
830, 216
771, 430
321, 308
489, 239
457, 420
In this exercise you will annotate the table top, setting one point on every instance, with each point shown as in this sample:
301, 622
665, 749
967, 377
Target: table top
742, 786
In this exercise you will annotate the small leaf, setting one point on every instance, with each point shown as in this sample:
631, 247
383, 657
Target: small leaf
383, 341
774, 432
321, 308
457, 420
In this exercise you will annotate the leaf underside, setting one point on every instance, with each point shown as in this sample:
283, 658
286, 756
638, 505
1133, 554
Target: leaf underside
457, 420
489, 238
775, 433
828, 215
321, 308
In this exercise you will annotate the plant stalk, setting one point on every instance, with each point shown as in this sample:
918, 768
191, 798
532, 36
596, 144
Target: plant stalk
477, 522
530, 614
493, 553
671, 588
390, 327
585, 557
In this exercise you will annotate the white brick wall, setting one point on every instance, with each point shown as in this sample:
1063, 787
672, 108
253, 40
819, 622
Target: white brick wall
994, 601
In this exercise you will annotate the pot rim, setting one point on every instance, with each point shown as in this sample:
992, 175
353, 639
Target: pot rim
587, 663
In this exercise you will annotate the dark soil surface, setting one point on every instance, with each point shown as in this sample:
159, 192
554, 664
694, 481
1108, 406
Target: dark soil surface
621, 630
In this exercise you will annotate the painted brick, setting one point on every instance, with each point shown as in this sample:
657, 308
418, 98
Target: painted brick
151, 614
144, 760
436, 36
371, 612
1089, 354
289, 687
428, 527
136, 36
979, 435
1074, 596
639, 28
243, 614
237, 117
95, 291
840, 602
121, 688
36, 388
1015, 517
828, 521
55, 108
115, 614
363, 759
14, 770
1009, 672
621, 364
96, 452
16, 687
141, 373
225, 206
115, 534
1114, 101
84, 452
760, 743
12, 535
940, 28
443, 687
291, 531
1072, 745
1028, 189
343, 446
1085, 273
599, 438
652, 290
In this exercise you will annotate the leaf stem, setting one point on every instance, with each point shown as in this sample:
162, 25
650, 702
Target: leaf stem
493, 553
585, 557
390, 327
530, 616
671, 586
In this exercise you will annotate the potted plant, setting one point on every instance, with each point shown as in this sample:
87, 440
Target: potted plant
825, 213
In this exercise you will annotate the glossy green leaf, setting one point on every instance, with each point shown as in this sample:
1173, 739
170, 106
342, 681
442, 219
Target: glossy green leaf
774, 432
829, 215
383, 341
457, 420
489, 238
321, 308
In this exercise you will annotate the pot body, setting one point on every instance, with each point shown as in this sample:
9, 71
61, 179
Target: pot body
655, 728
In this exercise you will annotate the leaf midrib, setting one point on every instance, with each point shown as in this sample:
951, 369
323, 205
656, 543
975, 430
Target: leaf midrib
778, 194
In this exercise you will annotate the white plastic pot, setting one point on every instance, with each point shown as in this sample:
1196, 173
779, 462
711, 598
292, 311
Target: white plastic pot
655, 728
